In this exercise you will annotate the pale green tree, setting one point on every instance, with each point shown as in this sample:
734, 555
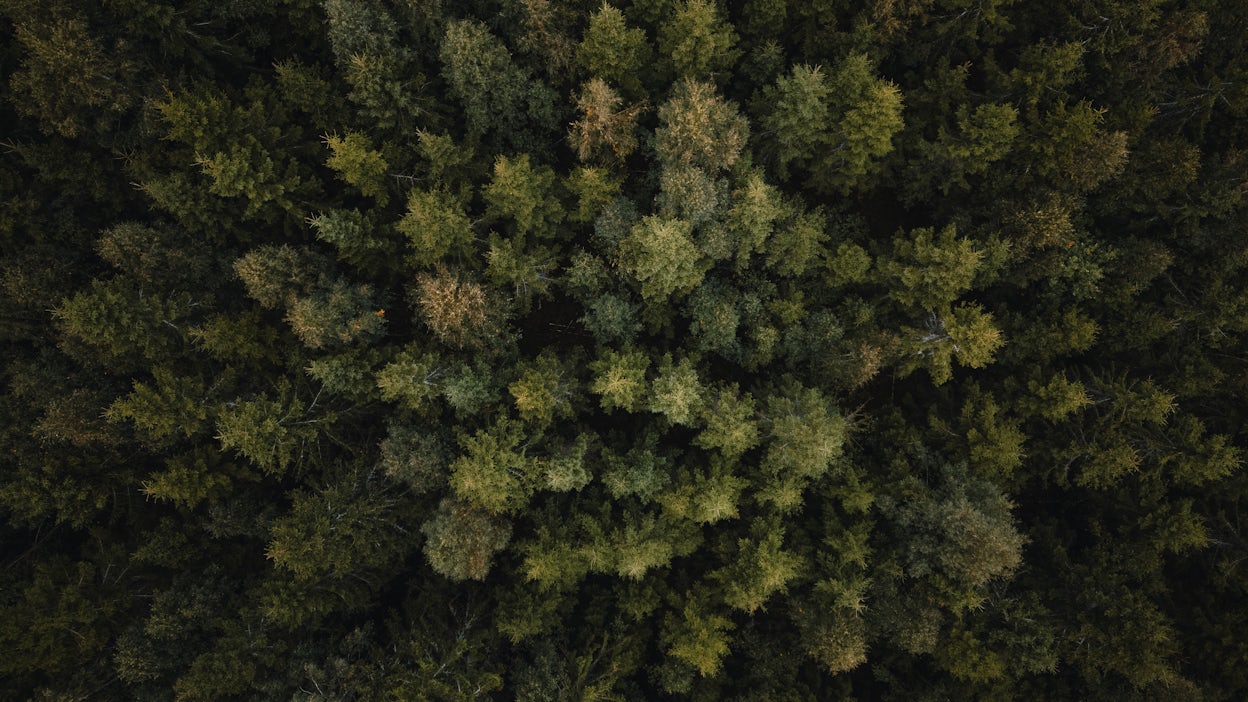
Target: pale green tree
677, 393
965, 334
760, 569
545, 390
731, 422
698, 636
662, 257
620, 379
805, 432
413, 379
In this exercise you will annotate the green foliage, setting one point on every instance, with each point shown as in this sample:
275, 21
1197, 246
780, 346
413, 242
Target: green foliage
414, 458
689, 194
360, 240
168, 407
57, 619
795, 246
435, 226
162, 256
698, 638
470, 389
1057, 399
715, 318
117, 321
612, 50
495, 474
805, 434
274, 433
461, 540
699, 128
994, 440
980, 138
238, 161
525, 269
697, 41
338, 316
497, 96
344, 529
359, 165
676, 392
851, 264
1075, 151
69, 80
967, 334
836, 640
544, 391
929, 270
191, 478
449, 163
550, 350
347, 374
755, 209
242, 337
834, 126
522, 193
274, 275
731, 427
662, 256
412, 379
594, 189
760, 569
634, 550
967, 534
620, 379
640, 472
567, 470
706, 497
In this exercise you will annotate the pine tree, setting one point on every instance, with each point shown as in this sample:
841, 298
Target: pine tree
613, 51
836, 126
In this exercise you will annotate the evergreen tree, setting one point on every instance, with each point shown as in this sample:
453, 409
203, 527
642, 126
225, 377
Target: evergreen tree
378, 349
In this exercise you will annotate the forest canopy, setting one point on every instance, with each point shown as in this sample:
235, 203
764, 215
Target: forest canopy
638, 349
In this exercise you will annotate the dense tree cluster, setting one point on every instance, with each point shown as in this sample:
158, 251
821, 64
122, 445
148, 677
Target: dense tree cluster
638, 349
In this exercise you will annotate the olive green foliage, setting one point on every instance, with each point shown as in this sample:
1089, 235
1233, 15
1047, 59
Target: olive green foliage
699, 128
359, 164
435, 226
696, 39
834, 124
620, 379
461, 540
663, 258
626, 350
612, 50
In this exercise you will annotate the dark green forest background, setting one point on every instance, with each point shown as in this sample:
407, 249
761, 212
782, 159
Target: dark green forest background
670, 349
